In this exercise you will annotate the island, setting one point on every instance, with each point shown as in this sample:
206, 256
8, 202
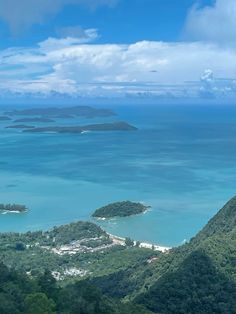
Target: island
63, 116
115, 126
13, 208
20, 126
44, 120
62, 112
120, 209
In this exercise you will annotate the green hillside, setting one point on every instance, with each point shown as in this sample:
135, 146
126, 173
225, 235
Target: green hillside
74, 252
96, 275
198, 277
42, 295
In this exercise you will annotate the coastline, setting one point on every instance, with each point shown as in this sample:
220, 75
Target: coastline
155, 247
148, 208
121, 241
4, 212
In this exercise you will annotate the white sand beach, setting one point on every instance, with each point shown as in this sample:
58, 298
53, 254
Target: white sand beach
155, 247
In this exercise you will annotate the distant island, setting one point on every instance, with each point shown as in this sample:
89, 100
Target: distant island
64, 112
63, 116
20, 126
45, 120
116, 126
120, 209
13, 208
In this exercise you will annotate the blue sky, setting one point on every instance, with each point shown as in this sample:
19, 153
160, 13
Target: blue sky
169, 49
126, 21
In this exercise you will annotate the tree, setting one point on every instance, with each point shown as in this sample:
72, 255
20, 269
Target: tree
20, 246
129, 242
39, 303
47, 283
4, 273
138, 243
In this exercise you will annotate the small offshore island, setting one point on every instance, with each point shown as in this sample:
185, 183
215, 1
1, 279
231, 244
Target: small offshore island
20, 126
12, 208
63, 112
115, 126
44, 120
120, 209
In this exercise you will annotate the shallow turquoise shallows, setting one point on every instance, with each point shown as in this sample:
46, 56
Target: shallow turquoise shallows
181, 161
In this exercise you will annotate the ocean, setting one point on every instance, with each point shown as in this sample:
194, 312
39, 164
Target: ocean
181, 162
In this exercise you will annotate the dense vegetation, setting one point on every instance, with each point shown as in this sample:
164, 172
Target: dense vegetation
120, 209
32, 252
195, 287
75, 231
22, 294
199, 277
56, 236
13, 208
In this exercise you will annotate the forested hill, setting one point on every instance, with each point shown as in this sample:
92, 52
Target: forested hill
223, 222
120, 209
42, 295
198, 277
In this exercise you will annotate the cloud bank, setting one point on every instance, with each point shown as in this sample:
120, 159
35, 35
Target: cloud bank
216, 23
204, 66
154, 69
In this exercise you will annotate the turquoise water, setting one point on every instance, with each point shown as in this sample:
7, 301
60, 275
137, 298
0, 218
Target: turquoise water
181, 161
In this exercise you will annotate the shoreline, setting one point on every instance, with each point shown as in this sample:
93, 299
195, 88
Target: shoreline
4, 212
148, 208
155, 247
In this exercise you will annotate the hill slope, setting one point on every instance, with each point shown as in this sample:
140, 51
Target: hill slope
198, 277
42, 295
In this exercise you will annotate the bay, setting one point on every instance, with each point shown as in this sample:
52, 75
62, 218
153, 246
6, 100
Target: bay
181, 161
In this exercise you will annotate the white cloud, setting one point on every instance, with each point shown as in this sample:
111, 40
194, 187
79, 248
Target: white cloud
216, 23
20, 14
52, 44
142, 69
207, 77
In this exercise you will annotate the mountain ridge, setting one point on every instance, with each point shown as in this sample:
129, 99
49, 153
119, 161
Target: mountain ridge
180, 275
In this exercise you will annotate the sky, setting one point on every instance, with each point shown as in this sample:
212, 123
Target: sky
125, 49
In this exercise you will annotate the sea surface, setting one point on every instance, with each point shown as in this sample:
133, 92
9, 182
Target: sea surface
181, 162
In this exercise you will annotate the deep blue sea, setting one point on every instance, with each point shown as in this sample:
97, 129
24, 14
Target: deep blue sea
181, 161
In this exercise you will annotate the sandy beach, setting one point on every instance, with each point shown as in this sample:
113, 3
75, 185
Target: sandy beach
155, 247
